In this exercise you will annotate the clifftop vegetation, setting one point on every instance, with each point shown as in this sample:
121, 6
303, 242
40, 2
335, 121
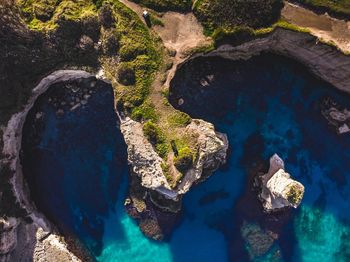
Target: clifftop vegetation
226, 14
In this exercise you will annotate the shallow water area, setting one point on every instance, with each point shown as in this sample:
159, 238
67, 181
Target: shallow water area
77, 168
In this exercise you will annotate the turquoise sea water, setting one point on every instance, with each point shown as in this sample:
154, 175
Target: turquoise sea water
77, 167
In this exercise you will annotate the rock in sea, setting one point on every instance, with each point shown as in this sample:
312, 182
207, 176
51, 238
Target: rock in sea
279, 190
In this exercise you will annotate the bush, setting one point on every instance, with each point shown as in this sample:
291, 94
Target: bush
126, 74
184, 160
179, 119
105, 16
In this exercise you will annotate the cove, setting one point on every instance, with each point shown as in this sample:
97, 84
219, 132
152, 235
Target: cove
77, 170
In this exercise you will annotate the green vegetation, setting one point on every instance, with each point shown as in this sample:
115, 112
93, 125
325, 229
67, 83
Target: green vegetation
228, 14
145, 112
155, 135
179, 119
341, 7
184, 160
166, 5
294, 194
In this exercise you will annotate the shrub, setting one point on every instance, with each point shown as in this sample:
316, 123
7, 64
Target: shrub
184, 160
126, 74
144, 112
155, 135
105, 16
179, 119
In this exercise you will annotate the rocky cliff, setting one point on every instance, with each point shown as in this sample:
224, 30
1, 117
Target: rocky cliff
325, 61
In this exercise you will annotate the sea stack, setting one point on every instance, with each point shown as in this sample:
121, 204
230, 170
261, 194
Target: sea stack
279, 190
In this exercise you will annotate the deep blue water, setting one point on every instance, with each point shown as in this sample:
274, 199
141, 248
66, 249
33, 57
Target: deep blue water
77, 170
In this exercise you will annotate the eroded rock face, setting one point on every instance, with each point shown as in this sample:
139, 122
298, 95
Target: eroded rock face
8, 235
279, 190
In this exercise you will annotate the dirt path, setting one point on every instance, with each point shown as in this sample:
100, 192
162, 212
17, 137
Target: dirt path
322, 26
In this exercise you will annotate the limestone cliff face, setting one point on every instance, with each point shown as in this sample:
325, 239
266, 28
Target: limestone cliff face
323, 60
146, 164
279, 190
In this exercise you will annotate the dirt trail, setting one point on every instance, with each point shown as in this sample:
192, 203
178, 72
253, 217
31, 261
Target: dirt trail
322, 26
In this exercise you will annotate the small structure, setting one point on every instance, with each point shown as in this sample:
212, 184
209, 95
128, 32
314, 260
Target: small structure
147, 18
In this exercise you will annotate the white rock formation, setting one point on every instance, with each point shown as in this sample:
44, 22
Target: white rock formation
279, 190
146, 163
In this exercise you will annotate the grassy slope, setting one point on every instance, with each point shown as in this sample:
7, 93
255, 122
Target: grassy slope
227, 14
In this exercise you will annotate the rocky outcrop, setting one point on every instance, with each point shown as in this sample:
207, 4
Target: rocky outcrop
323, 60
8, 235
279, 190
336, 116
147, 165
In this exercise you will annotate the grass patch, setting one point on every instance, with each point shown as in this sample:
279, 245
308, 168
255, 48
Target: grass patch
167, 5
179, 119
